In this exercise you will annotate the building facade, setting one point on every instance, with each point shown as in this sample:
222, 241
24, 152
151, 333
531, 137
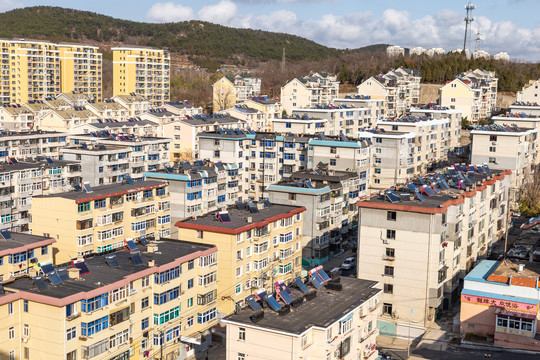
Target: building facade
309, 91
81, 70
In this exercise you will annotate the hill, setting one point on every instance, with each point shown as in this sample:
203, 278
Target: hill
196, 39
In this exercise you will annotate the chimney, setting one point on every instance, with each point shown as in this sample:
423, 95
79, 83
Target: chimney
249, 219
521, 268
151, 263
152, 248
74, 273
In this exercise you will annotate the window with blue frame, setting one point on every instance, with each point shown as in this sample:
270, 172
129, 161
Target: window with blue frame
166, 219
194, 195
137, 148
92, 327
232, 184
362, 187
98, 204
288, 156
333, 162
253, 154
153, 157
100, 169
20, 257
253, 142
158, 339
166, 296
210, 180
144, 323
233, 172
289, 145
148, 194
220, 198
363, 174
1, 260
172, 334
122, 155
288, 125
302, 157
267, 154
97, 302
167, 316
203, 318
194, 183
85, 206
167, 275
160, 191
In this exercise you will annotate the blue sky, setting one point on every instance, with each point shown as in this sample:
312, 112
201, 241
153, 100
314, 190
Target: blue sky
505, 25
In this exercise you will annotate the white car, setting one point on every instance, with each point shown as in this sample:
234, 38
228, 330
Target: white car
348, 263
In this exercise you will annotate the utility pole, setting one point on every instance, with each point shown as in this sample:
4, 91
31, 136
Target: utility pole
468, 22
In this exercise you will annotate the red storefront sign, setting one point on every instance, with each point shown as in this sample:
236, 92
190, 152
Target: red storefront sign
510, 305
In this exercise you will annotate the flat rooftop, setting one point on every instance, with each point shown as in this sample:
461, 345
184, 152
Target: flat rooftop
105, 190
25, 165
509, 268
326, 308
101, 274
19, 240
240, 218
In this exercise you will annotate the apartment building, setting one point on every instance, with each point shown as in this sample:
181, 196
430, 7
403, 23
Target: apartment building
337, 322
268, 157
271, 108
20, 181
523, 119
228, 90
144, 153
183, 133
108, 109
80, 70
130, 304
199, 187
17, 117
375, 107
297, 124
506, 147
258, 245
330, 219
436, 112
133, 126
29, 145
136, 104
340, 120
529, 92
474, 92
74, 99
142, 71
399, 88
65, 120
183, 108
499, 302
253, 118
419, 240
20, 253
308, 91
108, 214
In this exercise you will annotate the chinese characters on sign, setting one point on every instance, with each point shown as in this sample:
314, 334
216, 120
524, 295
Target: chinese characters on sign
510, 305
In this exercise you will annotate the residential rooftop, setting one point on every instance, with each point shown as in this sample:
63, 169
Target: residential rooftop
504, 128
25, 165
18, 242
327, 307
241, 218
104, 191
101, 274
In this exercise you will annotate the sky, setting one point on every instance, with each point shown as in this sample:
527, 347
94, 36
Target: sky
511, 26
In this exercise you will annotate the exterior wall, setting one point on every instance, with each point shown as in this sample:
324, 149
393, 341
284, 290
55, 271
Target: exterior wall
30, 145
295, 126
135, 104
457, 95
42, 251
530, 92
80, 70
142, 71
64, 213
233, 288
347, 121
375, 108
295, 94
224, 94
265, 344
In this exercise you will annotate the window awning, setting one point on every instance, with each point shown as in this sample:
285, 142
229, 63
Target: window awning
518, 314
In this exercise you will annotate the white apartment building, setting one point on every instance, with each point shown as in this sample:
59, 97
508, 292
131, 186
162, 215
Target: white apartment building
399, 88
136, 104
436, 112
419, 240
20, 181
474, 92
299, 125
253, 118
529, 93
345, 330
17, 117
506, 147
340, 120
228, 90
375, 107
330, 219
30, 145
183, 108
309, 91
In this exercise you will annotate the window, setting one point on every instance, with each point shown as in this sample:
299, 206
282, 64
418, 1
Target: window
390, 234
71, 333
190, 283
346, 325
145, 281
387, 309
26, 330
203, 318
389, 270
191, 264
390, 252
167, 316
25, 305
391, 215
388, 288
208, 260
242, 334
144, 323
332, 162
84, 206
241, 356
10, 308
305, 340
207, 279
92, 327
292, 196
72, 355
492, 149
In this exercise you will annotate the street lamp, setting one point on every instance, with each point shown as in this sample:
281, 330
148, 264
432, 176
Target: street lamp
409, 336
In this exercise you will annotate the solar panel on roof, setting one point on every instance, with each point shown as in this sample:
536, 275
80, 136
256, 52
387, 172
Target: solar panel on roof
128, 179
429, 191
87, 187
55, 279
6, 235
316, 281
240, 205
442, 181
253, 208
267, 203
130, 244
287, 299
317, 171
76, 187
40, 283
272, 302
63, 274
47, 269
486, 169
224, 217
300, 284
81, 265
84, 146
344, 138
412, 187
308, 184
143, 240
418, 196
136, 257
392, 196
253, 304
297, 183
422, 181
168, 169
323, 274
111, 260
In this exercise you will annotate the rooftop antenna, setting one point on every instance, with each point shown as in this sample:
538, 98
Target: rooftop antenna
283, 61
477, 41
468, 22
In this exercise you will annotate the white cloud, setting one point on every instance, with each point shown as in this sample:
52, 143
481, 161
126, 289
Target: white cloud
222, 13
6, 5
170, 12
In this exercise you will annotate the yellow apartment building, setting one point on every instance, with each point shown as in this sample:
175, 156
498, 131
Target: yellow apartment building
223, 94
98, 221
142, 71
139, 304
80, 69
21, 253
256, 249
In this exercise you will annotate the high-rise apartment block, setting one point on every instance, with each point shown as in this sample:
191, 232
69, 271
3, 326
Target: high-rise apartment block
142, 71
80, 70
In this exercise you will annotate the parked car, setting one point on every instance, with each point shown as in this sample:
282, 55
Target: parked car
348, 263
